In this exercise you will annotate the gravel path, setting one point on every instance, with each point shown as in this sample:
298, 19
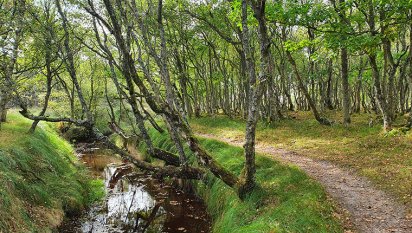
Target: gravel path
370, 209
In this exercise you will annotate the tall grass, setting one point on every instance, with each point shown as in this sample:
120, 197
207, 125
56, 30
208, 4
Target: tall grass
39, 178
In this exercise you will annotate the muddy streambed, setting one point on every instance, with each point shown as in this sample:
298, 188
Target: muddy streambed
136, 202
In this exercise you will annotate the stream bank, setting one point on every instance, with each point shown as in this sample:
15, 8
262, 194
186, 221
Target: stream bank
40, 178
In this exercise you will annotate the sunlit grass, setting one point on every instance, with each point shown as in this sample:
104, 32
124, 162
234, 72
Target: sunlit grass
384, 159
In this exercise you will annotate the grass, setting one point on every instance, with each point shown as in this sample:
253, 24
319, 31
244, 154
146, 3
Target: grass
40, 179
287, 200
384, 159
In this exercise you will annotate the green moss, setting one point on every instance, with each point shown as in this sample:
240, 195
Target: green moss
39, 174
287, 200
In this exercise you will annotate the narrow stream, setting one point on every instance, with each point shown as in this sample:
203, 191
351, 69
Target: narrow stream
137, 202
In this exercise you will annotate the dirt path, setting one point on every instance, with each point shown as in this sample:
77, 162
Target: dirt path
370, 209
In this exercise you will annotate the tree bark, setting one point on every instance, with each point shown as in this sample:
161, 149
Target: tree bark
249, 169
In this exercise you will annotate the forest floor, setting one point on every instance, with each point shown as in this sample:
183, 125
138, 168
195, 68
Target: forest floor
339, 158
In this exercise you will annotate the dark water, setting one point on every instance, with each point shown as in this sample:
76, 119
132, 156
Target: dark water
137, 202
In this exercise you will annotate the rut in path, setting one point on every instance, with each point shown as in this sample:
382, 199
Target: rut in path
370, 209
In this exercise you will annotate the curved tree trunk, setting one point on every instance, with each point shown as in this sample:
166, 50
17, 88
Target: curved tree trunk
302, 88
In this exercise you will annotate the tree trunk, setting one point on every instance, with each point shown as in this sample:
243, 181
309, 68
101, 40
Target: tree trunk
49, 73
328, 98
249, 169
359, 93
245, 89
7, 84
70, 66
3, 109
409, 123
387, 120
345, 86
131, 75
302, 87
3, 103
379, 92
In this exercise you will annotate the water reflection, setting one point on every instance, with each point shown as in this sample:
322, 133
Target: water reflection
136, 202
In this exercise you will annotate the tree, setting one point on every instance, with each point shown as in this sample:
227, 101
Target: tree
11, 36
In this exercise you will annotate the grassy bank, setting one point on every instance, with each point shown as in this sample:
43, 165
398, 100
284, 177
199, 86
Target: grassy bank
385, 159
287, 201
40, 179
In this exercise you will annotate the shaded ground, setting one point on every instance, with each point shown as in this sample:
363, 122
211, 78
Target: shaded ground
371, 210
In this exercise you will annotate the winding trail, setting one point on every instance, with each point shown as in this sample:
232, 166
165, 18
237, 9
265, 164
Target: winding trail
371, 210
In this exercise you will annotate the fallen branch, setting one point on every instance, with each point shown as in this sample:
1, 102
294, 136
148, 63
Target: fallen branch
30, 116
169, 158
157, 171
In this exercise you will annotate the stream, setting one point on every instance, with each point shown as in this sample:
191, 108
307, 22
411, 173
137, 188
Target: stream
136, 202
